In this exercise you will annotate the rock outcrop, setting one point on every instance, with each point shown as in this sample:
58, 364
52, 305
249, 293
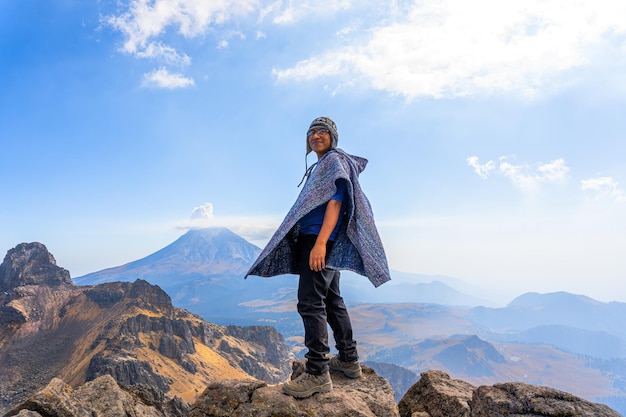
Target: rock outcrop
29, 281
101, 397
434, 395
520, 399
368, 396
31, 264
437, 395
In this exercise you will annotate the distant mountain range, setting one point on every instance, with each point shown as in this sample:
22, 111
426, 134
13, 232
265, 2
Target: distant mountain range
203, 271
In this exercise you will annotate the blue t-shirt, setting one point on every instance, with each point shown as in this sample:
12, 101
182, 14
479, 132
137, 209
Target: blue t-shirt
311, 223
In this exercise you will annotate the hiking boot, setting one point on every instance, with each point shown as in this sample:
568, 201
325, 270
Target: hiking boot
350, 369
307, 384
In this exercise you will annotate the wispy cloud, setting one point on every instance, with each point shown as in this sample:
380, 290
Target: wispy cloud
524, 176
482, 170
162, 78
250, 228
604, 187
145, 23
439, 48
285, 13
459, 48
165, 54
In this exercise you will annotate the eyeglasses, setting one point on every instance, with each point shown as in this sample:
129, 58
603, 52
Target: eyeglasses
319, 131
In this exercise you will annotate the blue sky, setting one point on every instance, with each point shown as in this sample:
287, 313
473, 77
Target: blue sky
495, 130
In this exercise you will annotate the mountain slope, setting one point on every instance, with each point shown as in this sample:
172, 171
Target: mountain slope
52, 328
212, 252
203, 271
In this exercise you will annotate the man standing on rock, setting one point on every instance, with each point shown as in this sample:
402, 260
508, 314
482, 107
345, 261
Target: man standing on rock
330, 227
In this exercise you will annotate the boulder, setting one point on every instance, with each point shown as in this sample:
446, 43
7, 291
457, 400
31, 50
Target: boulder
100, 397
437, 395
368, 396
525, 400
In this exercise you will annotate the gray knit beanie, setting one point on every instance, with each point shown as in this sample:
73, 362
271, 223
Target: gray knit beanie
325, 122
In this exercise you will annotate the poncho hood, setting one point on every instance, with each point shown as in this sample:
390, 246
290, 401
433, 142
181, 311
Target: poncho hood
358, 246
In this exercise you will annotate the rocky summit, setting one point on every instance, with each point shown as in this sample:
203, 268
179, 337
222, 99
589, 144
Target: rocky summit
31, 264
368, 396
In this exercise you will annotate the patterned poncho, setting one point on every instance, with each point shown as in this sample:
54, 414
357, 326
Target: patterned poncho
358, 246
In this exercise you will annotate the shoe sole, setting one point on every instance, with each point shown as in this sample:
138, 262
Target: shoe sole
348, 373
328, 387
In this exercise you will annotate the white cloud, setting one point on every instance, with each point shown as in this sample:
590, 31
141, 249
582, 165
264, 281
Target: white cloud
451, 48
201, 217
604, 187
164, 53
145, 21
145, 25
293, 12
162, 78
483, 170
527, 178
224, 43
439, 48
204, 211
523, 176
257, 229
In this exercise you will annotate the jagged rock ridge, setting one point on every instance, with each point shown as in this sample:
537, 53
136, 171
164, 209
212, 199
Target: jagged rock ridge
434, 395
130, 331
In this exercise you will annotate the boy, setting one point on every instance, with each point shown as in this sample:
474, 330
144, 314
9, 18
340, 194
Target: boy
330, 227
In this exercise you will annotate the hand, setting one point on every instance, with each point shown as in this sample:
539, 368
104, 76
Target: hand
317, 258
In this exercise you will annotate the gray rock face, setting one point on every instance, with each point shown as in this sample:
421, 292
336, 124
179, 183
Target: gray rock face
31, 264
126, 370
524, 400
100, 397
368, 396
437, 395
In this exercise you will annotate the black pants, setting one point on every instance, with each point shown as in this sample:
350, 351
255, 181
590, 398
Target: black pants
320, 304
